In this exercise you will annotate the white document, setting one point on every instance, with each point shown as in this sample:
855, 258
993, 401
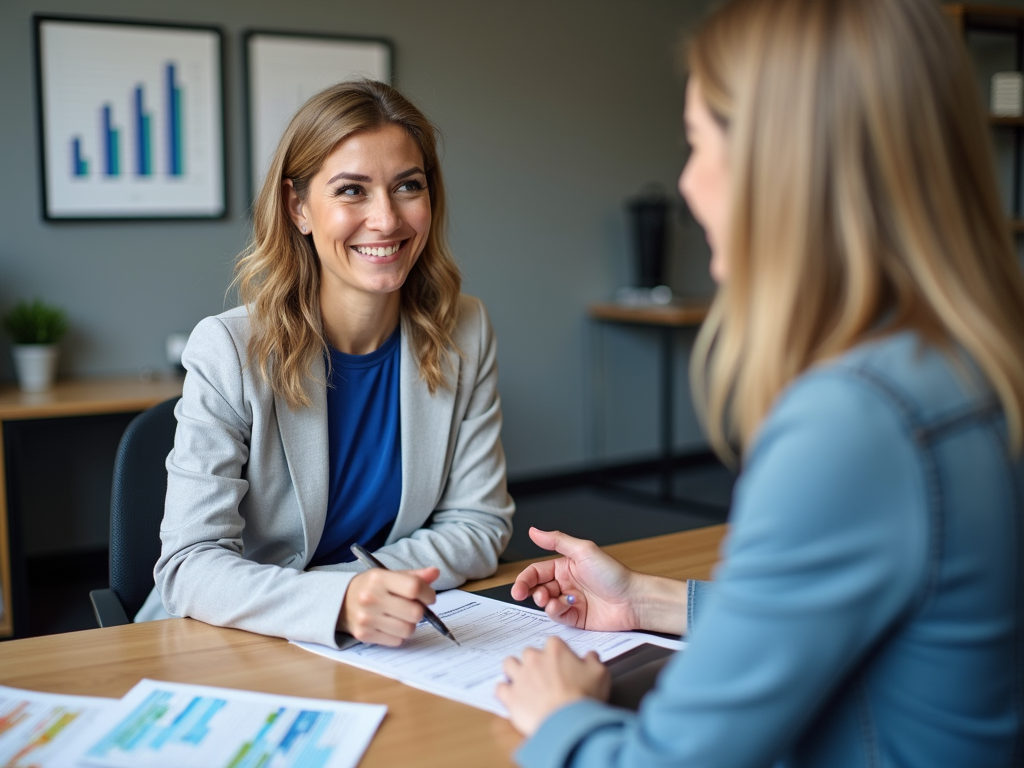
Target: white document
170, 725
36, 727
489, 631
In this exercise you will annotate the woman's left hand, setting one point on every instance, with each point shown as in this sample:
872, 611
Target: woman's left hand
546, 680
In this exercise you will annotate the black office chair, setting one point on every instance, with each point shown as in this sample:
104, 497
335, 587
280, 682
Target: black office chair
136, 508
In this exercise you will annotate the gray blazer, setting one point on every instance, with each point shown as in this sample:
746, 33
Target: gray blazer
247, 486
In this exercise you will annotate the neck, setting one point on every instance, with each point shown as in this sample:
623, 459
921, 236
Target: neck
360, 324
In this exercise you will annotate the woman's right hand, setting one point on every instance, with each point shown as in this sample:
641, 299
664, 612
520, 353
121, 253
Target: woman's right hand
384, 607
585, 588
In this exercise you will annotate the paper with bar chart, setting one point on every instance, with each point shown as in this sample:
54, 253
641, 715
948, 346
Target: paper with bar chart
35, 728
132, 120
169, 725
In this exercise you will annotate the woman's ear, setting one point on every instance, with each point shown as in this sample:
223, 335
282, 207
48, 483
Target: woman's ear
293, 204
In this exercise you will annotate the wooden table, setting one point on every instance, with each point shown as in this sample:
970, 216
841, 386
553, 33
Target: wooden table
85, 397
680, 315
420, 729
668, 318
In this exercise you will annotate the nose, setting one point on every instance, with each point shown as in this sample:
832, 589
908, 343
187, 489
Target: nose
383, 217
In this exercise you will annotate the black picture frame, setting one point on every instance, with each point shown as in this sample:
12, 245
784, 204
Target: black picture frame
131, 119
283, 69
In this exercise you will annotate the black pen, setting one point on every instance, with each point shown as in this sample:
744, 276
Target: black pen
370, 561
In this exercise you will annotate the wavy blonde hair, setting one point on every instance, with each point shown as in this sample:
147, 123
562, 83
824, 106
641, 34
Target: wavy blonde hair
864, 201
278, 275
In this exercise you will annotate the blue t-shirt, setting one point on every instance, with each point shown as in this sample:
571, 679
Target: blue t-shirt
365, 452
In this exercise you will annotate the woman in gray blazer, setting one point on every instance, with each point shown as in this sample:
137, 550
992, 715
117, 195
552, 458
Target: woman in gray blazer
351, 399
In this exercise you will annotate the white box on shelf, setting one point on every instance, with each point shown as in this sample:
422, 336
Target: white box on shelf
1008, 94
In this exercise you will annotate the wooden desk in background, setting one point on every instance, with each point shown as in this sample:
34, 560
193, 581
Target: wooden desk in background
420, 729
87, 397
668, 319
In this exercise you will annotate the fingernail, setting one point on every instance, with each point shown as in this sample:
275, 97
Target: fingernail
570, 599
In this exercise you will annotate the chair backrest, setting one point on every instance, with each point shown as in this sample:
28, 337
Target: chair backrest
137, 503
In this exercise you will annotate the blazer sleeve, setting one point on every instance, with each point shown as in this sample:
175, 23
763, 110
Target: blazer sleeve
472, 521
826, 550
202, 571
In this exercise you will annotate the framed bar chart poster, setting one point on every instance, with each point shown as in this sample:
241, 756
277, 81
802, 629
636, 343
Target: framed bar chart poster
132, 119
285, 69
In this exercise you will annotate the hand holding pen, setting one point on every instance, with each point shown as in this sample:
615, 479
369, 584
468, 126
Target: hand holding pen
383, 607
370, 561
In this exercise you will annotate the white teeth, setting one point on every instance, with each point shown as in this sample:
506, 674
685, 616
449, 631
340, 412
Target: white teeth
378, 252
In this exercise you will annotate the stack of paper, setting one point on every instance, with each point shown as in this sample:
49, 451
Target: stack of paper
488, 631
169, 725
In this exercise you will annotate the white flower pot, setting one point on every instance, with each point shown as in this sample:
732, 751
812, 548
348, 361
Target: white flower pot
35, 365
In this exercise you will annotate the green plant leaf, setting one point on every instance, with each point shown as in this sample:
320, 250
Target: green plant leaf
35, 322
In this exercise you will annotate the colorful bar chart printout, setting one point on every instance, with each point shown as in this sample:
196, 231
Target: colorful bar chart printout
168, 725
36, 728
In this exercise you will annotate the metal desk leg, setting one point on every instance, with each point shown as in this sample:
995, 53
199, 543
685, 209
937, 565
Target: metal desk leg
667, 415
598, 393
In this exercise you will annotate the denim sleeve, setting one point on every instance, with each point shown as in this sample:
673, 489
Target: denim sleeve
697, 595
827, 548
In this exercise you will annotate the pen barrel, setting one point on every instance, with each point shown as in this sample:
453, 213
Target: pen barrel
436, 623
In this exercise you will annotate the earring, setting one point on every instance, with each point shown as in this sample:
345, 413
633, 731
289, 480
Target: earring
303, 229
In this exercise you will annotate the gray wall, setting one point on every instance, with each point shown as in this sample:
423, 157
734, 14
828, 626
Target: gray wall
553, 113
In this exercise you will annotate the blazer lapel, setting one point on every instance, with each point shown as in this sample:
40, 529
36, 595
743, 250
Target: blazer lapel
304, 437
426, 423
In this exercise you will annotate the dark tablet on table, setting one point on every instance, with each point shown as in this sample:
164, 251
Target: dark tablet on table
633, 673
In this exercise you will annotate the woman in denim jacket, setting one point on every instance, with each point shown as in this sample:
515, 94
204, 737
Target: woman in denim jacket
865, 352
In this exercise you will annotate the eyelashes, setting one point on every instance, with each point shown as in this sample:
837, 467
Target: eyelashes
354, 190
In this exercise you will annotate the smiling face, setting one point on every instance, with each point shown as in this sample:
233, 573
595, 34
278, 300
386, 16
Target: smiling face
704, 182
368, 212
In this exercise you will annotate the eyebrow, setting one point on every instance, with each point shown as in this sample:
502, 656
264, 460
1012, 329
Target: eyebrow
360, 177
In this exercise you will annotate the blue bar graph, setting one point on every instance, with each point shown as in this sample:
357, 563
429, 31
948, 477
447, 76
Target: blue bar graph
191, 725
308, 733
79, 165
138, 141
111, 140
136, 726
174, 148
143, 148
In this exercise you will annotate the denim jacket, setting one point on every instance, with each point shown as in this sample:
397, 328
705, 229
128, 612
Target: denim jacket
869, 608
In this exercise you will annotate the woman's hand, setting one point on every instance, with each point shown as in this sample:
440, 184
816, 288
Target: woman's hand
586, 588
384, 607
546, 680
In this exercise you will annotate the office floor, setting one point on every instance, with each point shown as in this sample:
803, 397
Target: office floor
58, 586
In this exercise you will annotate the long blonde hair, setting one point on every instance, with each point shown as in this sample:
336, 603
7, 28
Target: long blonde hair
864, 201
278, 275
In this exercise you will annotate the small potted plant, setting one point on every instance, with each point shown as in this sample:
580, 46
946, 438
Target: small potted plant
35, 328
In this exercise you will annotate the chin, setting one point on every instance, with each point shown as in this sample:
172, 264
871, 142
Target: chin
717, 269
385, 288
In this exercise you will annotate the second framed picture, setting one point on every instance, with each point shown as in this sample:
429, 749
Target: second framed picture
285, 69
